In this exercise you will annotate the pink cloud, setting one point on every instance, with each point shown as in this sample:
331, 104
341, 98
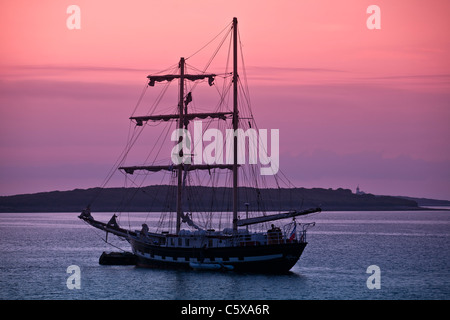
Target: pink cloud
342, 96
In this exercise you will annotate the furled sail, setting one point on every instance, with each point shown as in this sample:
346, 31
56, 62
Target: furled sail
186, 167
166, 117
170, 77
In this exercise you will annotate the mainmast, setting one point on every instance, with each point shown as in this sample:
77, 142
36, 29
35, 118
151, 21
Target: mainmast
235, 127
180, 126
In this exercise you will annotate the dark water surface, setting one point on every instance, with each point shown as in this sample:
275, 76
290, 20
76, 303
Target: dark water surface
411, 249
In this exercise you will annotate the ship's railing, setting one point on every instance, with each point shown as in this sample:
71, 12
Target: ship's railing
296, 232
291, 233
302, 233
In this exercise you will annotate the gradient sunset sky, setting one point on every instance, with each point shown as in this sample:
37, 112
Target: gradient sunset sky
354, 106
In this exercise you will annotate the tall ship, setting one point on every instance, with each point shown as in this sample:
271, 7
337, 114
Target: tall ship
208, 221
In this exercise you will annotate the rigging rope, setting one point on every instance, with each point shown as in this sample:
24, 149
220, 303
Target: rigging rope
248, 176
209, 42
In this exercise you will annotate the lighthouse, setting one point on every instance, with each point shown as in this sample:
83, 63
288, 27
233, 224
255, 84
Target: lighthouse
358, 191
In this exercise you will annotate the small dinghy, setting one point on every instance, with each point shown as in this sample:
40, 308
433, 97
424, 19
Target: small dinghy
117, 258
210, 266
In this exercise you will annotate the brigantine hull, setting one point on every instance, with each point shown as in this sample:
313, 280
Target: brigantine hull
269, 251
250, 252
273, 258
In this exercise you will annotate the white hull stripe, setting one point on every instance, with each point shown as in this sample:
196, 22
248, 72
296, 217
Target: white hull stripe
208, 260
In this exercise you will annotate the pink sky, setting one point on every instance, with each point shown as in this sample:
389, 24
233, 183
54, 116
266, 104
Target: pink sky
353, 105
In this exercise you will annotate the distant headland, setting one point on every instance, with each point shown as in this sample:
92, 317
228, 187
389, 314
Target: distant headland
145, 200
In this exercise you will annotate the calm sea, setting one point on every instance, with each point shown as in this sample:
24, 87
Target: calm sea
411, 250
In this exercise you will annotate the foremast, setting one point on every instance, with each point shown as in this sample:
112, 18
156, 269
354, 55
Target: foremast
180, 126
235, 127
